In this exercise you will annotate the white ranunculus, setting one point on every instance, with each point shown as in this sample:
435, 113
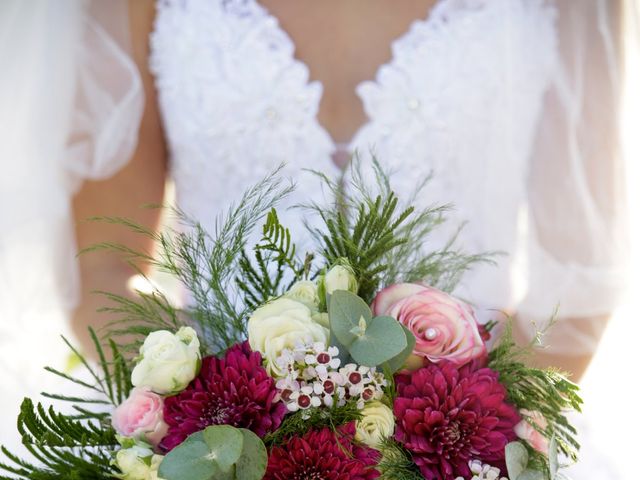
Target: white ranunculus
168, 362
280, 324
304, 291
340, 277
138, 463
376, 425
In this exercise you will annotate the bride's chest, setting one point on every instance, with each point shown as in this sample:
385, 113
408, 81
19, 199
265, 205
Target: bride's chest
237, 102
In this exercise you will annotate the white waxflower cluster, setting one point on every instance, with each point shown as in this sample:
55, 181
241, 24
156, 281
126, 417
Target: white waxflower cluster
482, 471
313, 378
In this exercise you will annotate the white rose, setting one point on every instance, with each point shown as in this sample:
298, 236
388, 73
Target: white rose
281, 324
340, 278
377, 424
306, 292
168, 362
138, 463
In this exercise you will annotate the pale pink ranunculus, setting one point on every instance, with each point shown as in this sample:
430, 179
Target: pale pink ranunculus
141, 416
445, 327
527, 432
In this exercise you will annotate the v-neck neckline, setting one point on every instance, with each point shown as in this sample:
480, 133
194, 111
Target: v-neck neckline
432, 15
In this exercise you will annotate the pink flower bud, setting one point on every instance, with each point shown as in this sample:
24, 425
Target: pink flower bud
529, 434
141, 416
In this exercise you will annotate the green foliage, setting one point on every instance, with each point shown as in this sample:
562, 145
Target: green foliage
299, 423
521, 466
546, 391
275, 257
396, 463
79, 445
370, 341
138, 318
383, 241
219, 452
517, 459
206, 263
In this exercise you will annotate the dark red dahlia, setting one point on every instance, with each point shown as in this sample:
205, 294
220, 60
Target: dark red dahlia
447, 416
234, 390
318, 455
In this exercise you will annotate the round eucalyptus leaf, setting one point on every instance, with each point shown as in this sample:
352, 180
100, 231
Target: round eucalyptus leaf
225, 445
516, 457
553, 458
252, 464
188, 461
206, 455
346, 310
531, 475
397, 362
383, 340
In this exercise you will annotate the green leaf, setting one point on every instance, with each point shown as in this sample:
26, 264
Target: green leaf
383, 340
252, 464
531, 475
553, 458
516, 457
345, 311
188, 461
206, 455
397, 362
225, 443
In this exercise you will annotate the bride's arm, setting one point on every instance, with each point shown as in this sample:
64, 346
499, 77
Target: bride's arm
140, 182
576, 189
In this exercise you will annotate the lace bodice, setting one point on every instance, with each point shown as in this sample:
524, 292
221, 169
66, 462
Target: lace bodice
461, 98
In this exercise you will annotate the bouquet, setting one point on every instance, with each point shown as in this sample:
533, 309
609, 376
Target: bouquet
352, 362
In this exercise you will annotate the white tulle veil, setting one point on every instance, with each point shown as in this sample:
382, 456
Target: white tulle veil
71, 101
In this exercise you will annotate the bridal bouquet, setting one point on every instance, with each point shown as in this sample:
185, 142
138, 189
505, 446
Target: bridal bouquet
351, 363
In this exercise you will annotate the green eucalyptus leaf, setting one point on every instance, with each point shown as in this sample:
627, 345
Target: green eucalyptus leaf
553, 458
343, 353
397, 362
188, 461
252, 464
225, 445
531, 475
206, 455
346, 310
383, 340
517, 458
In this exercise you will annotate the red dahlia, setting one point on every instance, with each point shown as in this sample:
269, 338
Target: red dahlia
318, 455
446, 417
234, 390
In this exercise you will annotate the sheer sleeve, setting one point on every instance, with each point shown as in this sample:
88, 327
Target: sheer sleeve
71, 100
70, 104
576, 203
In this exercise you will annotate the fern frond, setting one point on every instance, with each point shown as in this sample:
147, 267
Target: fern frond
547, 391
396, 463
385, 241
206, 262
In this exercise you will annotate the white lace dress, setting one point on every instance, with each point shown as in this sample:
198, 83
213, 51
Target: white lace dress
463, 97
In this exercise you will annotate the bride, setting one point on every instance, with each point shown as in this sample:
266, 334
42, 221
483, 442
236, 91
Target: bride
512, 104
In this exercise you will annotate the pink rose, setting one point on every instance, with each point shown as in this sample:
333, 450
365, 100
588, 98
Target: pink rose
445, 328
527, 432
141, 416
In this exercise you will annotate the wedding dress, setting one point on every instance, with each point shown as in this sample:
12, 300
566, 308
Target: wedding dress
511, 104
